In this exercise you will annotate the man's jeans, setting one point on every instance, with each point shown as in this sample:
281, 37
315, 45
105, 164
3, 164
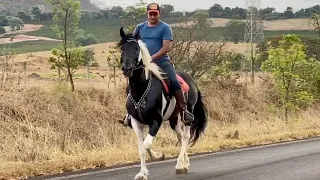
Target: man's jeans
170, 73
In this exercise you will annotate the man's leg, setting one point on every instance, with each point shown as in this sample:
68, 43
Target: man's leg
176, 88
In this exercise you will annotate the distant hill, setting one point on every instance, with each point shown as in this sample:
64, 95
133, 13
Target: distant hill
10, 6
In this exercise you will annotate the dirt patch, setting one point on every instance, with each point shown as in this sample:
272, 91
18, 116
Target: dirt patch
26, 28
275, 25
22, 38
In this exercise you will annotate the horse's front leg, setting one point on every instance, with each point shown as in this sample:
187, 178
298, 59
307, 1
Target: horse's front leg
138, 129
154, 128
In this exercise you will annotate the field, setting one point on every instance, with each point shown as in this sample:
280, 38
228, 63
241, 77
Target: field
46, 129
274, 25
108, 31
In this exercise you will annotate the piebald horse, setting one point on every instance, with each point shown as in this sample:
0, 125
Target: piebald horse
150, 103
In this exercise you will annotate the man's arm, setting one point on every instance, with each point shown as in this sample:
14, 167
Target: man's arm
167, 40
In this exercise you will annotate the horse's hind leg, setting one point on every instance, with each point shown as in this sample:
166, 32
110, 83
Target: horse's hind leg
176, 126
138, 129
186, 163
183, 164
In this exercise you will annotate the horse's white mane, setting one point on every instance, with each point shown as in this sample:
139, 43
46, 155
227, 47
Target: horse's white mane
147, 61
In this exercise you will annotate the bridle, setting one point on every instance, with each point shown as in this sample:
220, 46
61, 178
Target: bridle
142, 101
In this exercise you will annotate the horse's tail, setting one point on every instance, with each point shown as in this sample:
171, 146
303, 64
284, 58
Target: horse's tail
200, 120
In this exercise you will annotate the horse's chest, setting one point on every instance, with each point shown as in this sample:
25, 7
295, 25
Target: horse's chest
144, 107
145, 104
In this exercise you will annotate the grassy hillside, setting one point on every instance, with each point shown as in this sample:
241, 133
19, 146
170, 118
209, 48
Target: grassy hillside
17, 5
104, 30
108, 30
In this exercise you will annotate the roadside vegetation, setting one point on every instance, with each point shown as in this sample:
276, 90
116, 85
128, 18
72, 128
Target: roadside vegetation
64, 126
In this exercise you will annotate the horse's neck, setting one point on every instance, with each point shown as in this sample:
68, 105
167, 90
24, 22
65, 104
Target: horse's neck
138, 84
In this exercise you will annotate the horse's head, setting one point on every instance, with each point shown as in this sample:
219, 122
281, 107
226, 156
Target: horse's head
130, 53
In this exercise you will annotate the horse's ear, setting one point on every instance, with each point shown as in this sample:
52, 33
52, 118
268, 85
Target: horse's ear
122, 34
136, 35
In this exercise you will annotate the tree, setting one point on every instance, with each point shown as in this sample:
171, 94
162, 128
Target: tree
75, 61
7, 73
3, 21
191, 52
105, 13
133, 14
215, 11
36, 12
2, 30
81, 39
166, 10
113, 59
23, 16
15, 23
235, 30
116, 12
315, 22
288, 14
66, 19
291, 72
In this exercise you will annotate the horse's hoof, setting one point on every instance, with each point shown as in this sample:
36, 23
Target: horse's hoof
185, 170
182, 171
141, 177
155, 159
162, 157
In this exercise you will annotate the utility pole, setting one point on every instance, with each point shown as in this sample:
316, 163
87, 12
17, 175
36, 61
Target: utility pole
253, 33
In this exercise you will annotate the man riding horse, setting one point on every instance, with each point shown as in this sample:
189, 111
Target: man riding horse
157, 35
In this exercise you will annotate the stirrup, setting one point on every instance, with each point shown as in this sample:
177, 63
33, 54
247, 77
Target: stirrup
183, 119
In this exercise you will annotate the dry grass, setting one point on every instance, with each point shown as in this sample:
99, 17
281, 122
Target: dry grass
274, 25
51, 130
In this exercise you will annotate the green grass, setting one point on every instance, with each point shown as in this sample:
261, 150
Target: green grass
105, 30
34, 46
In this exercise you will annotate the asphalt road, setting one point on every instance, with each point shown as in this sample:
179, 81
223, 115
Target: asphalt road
286, 161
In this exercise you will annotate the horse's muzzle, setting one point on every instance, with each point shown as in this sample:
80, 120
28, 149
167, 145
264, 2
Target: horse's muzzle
127, 72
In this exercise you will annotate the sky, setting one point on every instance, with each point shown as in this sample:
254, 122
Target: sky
181, 5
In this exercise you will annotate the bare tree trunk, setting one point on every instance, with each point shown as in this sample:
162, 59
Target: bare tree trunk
67, 58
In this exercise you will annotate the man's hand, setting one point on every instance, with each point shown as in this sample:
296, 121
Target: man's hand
165, 48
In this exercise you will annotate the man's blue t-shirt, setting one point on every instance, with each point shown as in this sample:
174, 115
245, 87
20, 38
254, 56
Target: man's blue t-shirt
153, 36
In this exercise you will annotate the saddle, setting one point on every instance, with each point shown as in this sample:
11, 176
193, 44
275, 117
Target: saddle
166, 84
